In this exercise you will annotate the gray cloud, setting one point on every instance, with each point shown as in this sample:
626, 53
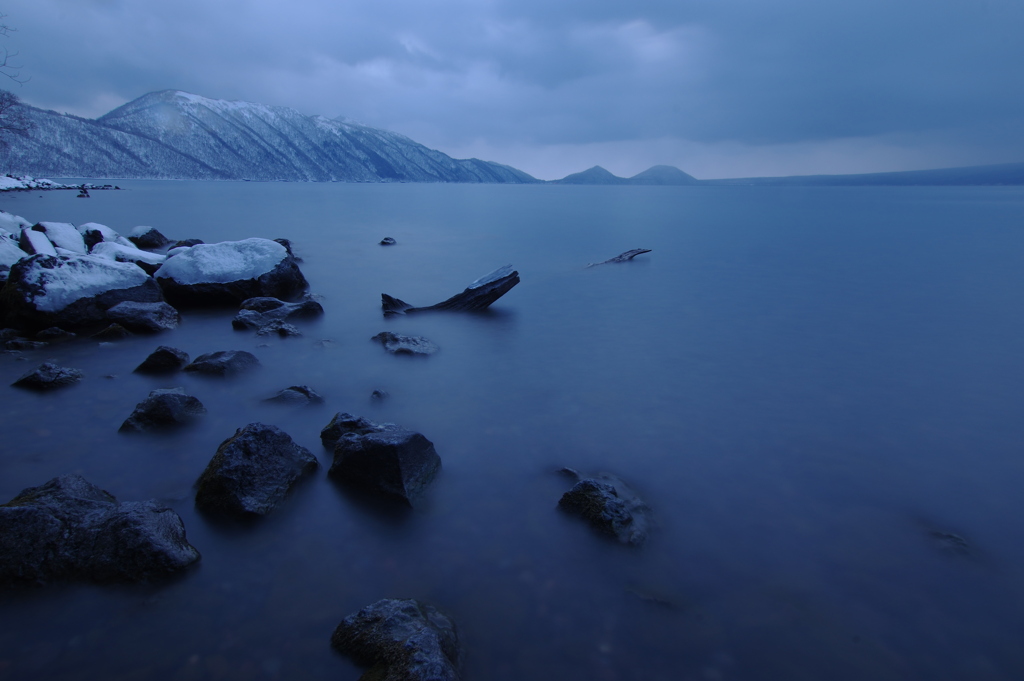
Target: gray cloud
911, 80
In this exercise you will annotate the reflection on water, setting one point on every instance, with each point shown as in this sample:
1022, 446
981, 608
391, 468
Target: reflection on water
805, 384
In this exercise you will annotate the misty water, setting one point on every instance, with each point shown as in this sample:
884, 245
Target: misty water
813, 388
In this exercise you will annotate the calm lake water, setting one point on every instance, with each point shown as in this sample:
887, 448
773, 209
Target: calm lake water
804, 383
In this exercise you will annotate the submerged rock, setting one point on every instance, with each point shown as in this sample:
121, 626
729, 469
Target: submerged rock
49, 376
163, 360
380, 458
610, 507
230, 272
401, 640
164, 408
259, 313
145, 317
622, 257
69, 529
111, 333
297, 395
252, 472
405, 345
478, 296
55, 334
223, 363
282, 329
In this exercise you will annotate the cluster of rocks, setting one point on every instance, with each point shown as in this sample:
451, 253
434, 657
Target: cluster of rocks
61, 278
11, 183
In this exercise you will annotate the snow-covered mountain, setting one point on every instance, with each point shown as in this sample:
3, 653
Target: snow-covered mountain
173, 134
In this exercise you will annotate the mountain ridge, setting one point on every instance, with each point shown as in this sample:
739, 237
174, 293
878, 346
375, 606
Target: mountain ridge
171, 134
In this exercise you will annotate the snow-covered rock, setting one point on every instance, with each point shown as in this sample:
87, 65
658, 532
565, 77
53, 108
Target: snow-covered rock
94, 233
230, 272
71, 291
11, 223
63, 235
33, 242
112, 250
10, 252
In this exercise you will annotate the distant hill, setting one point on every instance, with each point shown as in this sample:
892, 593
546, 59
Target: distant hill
173, 134
655, 175
1002, 174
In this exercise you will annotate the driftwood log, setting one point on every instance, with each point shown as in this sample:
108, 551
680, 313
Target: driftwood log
622, 257
477, 296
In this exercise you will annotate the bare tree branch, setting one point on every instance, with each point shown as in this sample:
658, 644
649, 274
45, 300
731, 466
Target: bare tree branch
7, 68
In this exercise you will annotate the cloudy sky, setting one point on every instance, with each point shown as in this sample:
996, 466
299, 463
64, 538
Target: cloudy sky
719, 88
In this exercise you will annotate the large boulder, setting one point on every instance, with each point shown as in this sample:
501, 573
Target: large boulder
69, 529
71, 291
381, 458
611, 508
144, 317
401, 640
252, 471
164, 408
223, 363
35, 242
229, 273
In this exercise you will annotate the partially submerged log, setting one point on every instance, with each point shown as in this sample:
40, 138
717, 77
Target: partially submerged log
477, 296
623, 257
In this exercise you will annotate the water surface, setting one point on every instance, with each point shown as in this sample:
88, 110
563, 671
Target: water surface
804, 383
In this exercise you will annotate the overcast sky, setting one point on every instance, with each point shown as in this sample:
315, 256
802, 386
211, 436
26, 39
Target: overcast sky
719, 88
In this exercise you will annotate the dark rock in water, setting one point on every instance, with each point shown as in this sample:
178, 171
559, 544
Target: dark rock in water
49, 377
223, 363
282, 329
949, 542
186, 243
401, 640
55, 334
610, 506
257, 313
405, 345
297, 394
478, 296
71, 291
163, 360
279, 309
23, 344
344, 423
69, 529
381, 458
622, 257
149, 239
111, 333
252, 472
230, 272
379, 395
164, 408
388, 241
145, 317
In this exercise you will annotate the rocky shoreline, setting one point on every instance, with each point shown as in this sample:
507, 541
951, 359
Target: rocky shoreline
61, 281
11, 183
